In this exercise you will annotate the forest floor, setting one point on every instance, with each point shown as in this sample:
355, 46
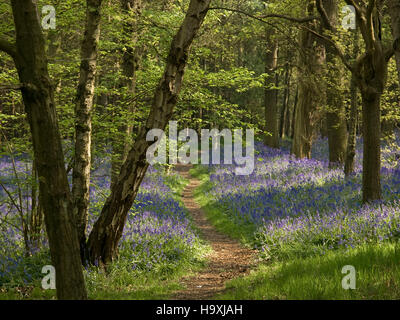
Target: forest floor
228, 259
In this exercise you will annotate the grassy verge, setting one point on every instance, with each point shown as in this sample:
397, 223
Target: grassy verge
215, 214
320, 277
116, 284
120, 283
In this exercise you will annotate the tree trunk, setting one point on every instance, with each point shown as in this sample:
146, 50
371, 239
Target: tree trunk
336, 113
370, 72
36, 218
372, 146
107, 231
293, 119
352, 124
353, 117
130, 65
312, 57
37, 92
285, 112
83, 122
394, 12
271, 94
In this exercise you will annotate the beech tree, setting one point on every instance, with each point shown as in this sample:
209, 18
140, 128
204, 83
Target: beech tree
107, 231
83, 126
370, 74
37, 90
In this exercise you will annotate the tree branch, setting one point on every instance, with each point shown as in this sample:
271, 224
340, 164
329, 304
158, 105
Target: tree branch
325, 19
355, 5
272, 15
370, 8
339, 51
292, 19
11, 87
389, 52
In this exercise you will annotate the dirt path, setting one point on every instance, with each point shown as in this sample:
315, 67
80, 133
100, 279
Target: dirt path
228, 259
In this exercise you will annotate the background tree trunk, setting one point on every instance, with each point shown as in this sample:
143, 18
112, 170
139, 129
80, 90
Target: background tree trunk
352, 118
293, 118
271, 94
352, 124
130, 66
394, 12
285, 112
312, 57
336, 114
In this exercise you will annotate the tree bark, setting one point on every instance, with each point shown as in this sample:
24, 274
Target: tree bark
394, 12
352, 124
293, 118
36, 218
372, 146
336, 113
37, 92
83, 122
107, 231
353, 117
312, 57
271, 94
285, 112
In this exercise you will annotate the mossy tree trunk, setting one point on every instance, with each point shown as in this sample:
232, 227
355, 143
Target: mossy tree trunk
38, 95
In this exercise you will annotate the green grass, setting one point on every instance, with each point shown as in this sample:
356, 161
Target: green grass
221, 221
118, 283
177, 183
377, 277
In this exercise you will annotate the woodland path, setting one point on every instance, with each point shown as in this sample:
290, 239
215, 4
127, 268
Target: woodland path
227, 260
